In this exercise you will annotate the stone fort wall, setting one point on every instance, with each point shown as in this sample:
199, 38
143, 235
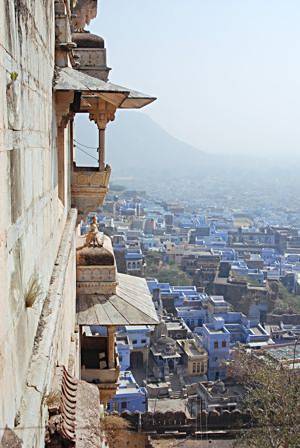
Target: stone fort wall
32, 218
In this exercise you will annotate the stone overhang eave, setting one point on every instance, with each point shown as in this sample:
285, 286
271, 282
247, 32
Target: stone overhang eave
69, 79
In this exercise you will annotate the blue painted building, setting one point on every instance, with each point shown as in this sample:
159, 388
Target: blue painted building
123, 347
139, 341
138, 336
216, 340
130, 396
228, 254
192, 316
181, 294
134, 260
240, 269
241, 328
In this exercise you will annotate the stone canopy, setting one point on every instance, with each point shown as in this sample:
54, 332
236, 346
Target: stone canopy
69, 79
131, 304
105, 297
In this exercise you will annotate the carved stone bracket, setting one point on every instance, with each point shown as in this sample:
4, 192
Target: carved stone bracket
102, 112
63, 102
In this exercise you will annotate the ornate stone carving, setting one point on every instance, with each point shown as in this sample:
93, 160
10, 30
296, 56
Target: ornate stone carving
84, 12
98, 274
91, 54
94, 238
102, 112
63, 100
93, 288
89, 187
63, 36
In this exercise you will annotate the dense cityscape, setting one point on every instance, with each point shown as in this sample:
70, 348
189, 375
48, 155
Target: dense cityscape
150, 280
220, 279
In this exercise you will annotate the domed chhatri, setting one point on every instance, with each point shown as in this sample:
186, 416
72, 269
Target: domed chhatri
95, 251
166, 345
166, 340
96, 266
88, 40
83, 12
94, 256
91, 55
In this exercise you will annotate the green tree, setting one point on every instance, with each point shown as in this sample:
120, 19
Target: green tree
165, 272
272, 399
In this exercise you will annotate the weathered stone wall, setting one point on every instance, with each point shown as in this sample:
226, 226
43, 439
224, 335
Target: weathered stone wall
53, 344
32, 218
276, 319
178, 421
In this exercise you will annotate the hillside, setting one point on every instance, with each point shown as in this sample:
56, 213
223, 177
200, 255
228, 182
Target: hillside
137, 146
145, 156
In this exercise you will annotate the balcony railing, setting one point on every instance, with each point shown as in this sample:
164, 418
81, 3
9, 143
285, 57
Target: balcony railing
89, 187
101, 376
95, 366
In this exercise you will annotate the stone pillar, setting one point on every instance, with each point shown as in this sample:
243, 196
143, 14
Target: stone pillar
61, 165
101, 113
111, 346
72, 140
63, 100
101, 148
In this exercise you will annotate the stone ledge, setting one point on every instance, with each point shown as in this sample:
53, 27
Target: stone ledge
43, 360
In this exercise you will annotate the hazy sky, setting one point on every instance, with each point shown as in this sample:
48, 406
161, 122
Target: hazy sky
226, 72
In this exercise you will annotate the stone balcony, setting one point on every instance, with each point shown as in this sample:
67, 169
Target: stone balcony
95, 365
101, 376
105, 379
89, 187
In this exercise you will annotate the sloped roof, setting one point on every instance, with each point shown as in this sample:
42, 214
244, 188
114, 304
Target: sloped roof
136, 100
131, 305
67, 78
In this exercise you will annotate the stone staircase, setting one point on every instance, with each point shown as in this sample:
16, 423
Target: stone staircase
175, 386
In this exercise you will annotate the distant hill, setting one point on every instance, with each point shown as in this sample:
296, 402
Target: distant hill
136, 146
143, 155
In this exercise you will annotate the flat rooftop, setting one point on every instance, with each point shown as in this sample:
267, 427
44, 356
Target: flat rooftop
284, 352
133, 328
127, 384
175, 326
212, 329
217, 299
191, 348
168, 404
257, 331
231, 390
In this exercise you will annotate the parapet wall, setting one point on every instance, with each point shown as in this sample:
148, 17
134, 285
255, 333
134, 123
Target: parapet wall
161, 422
32, 218
276, 319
